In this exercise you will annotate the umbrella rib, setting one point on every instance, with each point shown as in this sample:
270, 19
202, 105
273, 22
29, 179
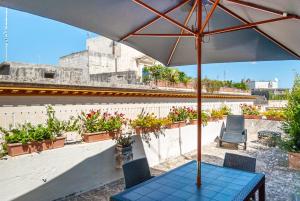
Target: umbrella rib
255, 6
258, 30
209, 16
153, 20
164, 16
163, 35
182, 31
247, 26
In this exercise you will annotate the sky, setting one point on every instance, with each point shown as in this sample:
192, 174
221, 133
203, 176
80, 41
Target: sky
34, 39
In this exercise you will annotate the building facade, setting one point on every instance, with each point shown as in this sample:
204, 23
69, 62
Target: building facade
272, 84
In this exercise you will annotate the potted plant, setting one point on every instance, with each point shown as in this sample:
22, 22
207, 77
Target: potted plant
92, 127
193, 117
146, 122
291, 126
112, 124
274, 115
123, 149
72, 130
178, 116
27, 138
225, 110
250, 111
216, 115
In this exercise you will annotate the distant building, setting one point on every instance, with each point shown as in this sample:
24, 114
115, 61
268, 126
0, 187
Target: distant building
103, 61
103, 56
273, 84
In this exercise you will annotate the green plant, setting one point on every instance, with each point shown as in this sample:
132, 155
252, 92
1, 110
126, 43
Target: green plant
72, 124
92, 121
178, 114
276, 114
146, 120
27, 133
250, 109
149, 124
225, 110
291, 124
124, 140
55, 126
216, 114
204, 118
113, 122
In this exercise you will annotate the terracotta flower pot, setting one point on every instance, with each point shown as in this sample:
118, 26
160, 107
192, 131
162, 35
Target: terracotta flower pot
294, 161
182, 124
96, 137
173, 125
252, 116
138, 130
16, 149
194, 121
274, 118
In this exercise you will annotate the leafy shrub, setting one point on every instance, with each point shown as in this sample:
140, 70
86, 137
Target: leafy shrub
178, 114
291, 124
124, 140
148, 120
225, 110
28, 133
216, 114
94, 121
275, 114
193, 115
113, 122
250, 109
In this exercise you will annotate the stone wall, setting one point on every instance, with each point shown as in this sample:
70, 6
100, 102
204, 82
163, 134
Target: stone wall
39, 73
129, 77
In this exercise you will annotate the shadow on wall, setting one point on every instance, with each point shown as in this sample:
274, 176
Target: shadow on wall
89, 174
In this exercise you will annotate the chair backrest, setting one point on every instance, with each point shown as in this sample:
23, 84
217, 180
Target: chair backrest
235, 123
240, 162
136, 172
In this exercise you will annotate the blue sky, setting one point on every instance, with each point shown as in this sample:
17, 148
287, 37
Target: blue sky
38, 40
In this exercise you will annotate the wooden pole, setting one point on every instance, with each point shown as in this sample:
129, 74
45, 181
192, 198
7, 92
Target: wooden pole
199, 102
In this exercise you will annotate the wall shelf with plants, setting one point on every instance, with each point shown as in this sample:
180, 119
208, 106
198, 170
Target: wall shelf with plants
28, 138
98, 127
251, 111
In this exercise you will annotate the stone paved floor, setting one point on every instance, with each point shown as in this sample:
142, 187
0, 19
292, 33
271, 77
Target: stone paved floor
280, 181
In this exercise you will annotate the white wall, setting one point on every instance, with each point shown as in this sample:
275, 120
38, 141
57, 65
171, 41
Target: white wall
21, 109
81, 167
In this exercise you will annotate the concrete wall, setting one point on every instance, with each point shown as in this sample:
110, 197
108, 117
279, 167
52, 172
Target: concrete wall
21, 109
35, 73
81, 167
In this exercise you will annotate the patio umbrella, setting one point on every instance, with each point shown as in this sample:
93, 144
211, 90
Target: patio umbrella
183, 32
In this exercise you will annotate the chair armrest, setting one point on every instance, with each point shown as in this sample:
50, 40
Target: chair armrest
223, 129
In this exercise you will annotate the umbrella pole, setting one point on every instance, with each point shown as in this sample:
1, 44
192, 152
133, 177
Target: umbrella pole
199, 102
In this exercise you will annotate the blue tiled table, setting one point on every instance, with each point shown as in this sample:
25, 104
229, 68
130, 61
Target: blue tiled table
218, 184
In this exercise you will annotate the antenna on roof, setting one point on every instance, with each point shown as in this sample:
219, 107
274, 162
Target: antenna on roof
6, 35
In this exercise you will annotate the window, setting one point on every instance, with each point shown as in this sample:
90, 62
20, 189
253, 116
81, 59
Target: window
4, 69
49, 75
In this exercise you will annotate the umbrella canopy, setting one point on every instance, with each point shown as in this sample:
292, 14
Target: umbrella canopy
182, 32
115, 19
